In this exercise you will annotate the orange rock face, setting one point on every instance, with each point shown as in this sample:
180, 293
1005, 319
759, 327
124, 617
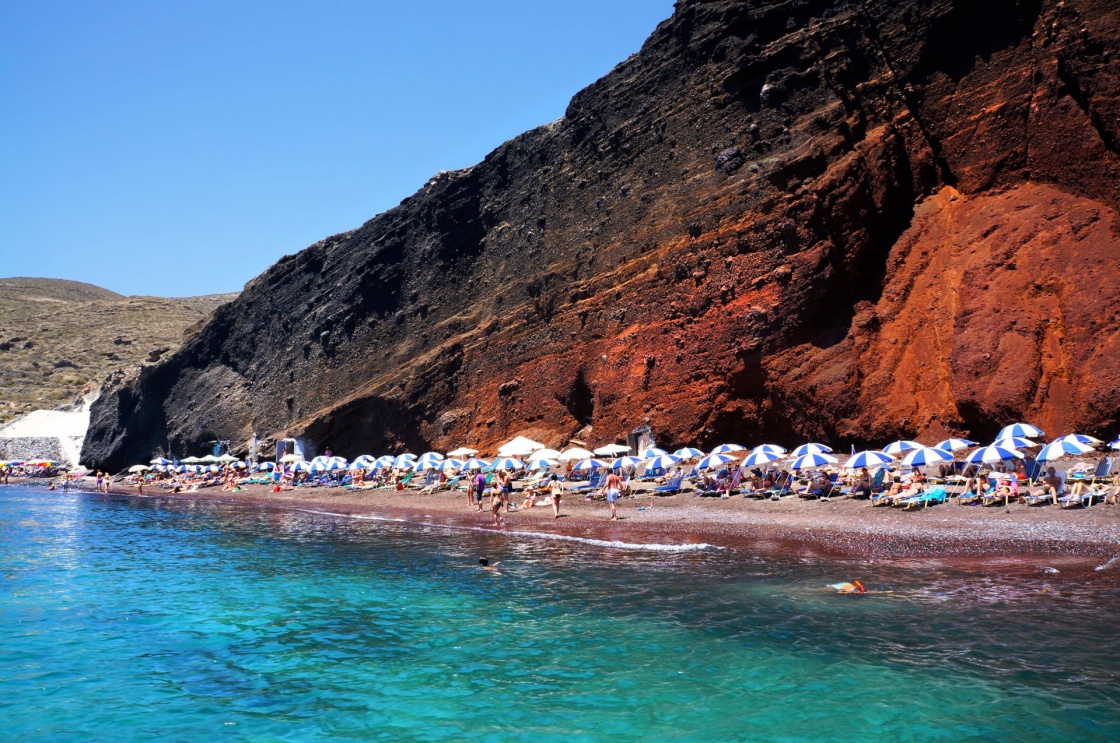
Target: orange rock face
834, 220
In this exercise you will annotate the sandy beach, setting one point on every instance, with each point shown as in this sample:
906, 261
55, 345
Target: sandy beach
1015, 538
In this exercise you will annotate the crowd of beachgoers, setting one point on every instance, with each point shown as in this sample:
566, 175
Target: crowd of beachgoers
1070, 471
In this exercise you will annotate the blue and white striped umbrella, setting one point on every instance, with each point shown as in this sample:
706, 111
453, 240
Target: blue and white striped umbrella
809, 461
365, 458
955, 444
1080, 438
770, 449
900, 447
651, 452
728, 448
423, 465
450, 465
993, 454
266, 466
508, 463
761, 456
688, 453
239, 464
542, 463
589, 464
357, 465
1061, 448
476, 464
1114, 444
405, 462
1026, 430
385, 460
1014, 442
869, 458
661, 461
626, 462
161, 460
810, 449
301, 467
922, 457
715, 460
213, 469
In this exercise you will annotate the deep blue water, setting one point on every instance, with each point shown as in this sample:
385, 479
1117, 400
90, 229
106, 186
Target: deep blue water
138, 619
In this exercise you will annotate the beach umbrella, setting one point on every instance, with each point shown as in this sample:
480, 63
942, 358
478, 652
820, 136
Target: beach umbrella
1062, 448
587, 465
190, 460
213, 469
423, 465
209, 459
992, 454
900, 447
1025, 430
626, 462
816, 459
238, 465
432, 455
462, 451
286, 459
385, 460
761, 456
661, 461
955, 444
519, 446
727, 448
651, 452
357, 465
263, 466
1079, 438
870, 458
612, 450
138, 468
476, 464
922, 457
809, 449
508, 463
404, 462
546, 454
450, 464
1014, 442
227, 459
161, 460
770, 449
575, 454
688, 452
1114, 444
301, 467
541, 463
715, 460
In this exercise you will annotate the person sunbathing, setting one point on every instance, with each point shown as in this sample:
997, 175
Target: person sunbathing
1053, 484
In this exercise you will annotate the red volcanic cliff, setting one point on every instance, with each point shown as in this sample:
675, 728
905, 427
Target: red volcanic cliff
783, 220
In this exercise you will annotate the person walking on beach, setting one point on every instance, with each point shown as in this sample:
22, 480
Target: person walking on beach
479, 487
496, 510
614, 489
555, 489
505, 488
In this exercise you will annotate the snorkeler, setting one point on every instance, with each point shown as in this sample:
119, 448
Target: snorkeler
853, 587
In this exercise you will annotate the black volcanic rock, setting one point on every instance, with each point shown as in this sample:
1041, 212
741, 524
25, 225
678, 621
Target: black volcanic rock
720, 237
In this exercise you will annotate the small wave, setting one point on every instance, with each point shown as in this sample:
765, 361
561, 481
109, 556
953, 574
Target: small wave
1107, 565
609, 543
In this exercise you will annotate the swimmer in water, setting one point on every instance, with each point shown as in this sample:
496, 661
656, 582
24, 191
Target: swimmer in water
853, 587
485, 564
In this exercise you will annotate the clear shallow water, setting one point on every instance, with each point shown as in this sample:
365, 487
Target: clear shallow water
132, 619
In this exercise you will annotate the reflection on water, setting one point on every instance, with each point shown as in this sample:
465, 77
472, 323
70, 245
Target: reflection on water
130, 618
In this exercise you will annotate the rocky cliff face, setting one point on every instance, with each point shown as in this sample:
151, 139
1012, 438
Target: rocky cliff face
810, 218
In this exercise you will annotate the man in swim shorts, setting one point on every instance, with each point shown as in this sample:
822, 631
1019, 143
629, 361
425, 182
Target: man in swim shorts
614, 490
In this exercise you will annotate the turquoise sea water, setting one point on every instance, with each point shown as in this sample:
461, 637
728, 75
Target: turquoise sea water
129, 619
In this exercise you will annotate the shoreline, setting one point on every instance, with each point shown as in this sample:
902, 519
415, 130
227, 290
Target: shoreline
1015, 539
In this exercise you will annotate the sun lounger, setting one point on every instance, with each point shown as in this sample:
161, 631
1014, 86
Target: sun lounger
1036, 496
594, 483
929, 498
672, 487
1081, 501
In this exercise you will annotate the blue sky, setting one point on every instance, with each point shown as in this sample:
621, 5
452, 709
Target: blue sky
180, 148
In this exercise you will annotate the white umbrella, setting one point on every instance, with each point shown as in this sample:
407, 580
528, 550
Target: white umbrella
574, 454
287, 458
227, 459
900, 447
1061, 448
808, 461
992, 454
715, 460
810, 449
462, 451
726, 448
955, 444
922, 457
1026, 430
611, 450
139, 468
868, 459
546, 454
519, 447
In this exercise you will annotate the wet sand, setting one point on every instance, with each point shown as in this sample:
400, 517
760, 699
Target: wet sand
1015, 538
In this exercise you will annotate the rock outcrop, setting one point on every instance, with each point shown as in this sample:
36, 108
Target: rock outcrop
781, 220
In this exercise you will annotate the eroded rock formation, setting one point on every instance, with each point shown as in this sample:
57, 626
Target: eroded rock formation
780, 220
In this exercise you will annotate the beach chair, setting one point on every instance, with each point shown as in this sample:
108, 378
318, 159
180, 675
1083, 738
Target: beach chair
1084, 500
1037, 495
592, 484
672, 487
923, 500
1103, 469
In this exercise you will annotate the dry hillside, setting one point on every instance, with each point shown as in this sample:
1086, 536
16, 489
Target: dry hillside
60, 339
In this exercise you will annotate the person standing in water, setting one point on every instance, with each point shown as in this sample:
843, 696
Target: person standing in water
614, 490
